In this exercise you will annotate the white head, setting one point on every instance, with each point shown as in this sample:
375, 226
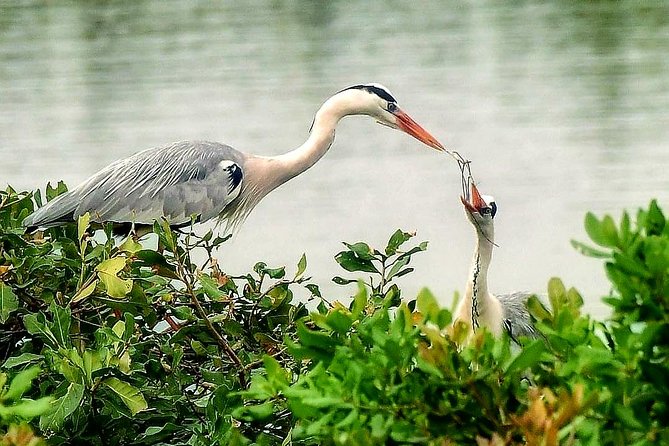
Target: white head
376, 101
481, 210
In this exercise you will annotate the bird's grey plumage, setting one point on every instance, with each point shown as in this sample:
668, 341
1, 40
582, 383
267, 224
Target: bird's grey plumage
177, 181
498, 313
517, 319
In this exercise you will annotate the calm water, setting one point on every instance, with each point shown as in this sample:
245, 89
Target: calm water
562, 106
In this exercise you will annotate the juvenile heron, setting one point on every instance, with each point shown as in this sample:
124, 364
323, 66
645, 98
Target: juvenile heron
480, 307
202, 180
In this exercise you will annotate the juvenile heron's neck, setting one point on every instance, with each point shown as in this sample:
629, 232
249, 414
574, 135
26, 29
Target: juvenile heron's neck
477, 286
479, 307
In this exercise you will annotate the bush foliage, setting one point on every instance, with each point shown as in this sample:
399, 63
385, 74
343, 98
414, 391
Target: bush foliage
104, 341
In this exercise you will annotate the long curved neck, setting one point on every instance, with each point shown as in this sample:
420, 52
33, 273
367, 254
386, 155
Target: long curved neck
320, 139
477, 293
263, 174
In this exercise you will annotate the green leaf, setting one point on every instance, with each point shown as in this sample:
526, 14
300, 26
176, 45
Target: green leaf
111, 266
321, 402
35, 323
314, 289
594, 229
397, 266
184, 313
626, 416
129, 327
276, 273
130, 245
396, 240
341, 281
108, 272
427, 304
361, 250
20, 384
301, 266
655, 221
53, 192
537, 309
86, 291
157, 262
589, 251
556, 294
529, 356
118, 328
60, 327
37, 195
198, 347
131, 396
22, 359
29, 409
8, 302
392, 297
210, 287
92, 362
339, 321
62, 408
359, 301
275, 373
630, 266
609, 231
254, 412
422, 246
313, 338
82, 224
350, 261
166, 235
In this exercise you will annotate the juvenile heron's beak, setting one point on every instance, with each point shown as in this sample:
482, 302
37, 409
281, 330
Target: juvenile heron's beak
477, 203
408, 125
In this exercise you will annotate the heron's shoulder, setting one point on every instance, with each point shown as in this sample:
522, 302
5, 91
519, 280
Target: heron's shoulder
515, 304
515, 297
194, 149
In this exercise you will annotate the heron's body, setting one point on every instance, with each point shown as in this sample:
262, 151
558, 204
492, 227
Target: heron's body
203, 180
479, 307
185, 178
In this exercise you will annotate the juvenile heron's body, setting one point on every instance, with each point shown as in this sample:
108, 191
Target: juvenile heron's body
479, 307
201, 180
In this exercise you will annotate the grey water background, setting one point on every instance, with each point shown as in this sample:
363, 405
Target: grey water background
561, 106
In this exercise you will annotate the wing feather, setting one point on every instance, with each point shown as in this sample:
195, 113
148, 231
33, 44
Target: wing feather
517, 319
176, 181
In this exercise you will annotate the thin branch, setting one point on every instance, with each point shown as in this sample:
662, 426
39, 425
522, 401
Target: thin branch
219, 338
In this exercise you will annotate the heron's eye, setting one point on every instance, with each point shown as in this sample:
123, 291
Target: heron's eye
392, 107
486, 211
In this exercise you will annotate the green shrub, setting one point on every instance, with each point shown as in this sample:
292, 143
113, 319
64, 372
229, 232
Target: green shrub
110, 342
138, 346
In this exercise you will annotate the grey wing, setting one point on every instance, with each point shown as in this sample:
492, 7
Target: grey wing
517, 319
175, 182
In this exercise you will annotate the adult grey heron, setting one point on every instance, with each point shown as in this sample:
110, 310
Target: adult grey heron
479, 307
202, 180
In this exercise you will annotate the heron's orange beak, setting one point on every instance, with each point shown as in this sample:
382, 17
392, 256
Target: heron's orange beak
408, 125
477, 203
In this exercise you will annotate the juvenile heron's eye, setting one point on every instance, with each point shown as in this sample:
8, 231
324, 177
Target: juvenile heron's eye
392, 107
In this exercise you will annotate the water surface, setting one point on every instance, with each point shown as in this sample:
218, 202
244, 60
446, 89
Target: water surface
561, 106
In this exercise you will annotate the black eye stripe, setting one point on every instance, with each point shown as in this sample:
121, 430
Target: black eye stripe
493, 208
380, 92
